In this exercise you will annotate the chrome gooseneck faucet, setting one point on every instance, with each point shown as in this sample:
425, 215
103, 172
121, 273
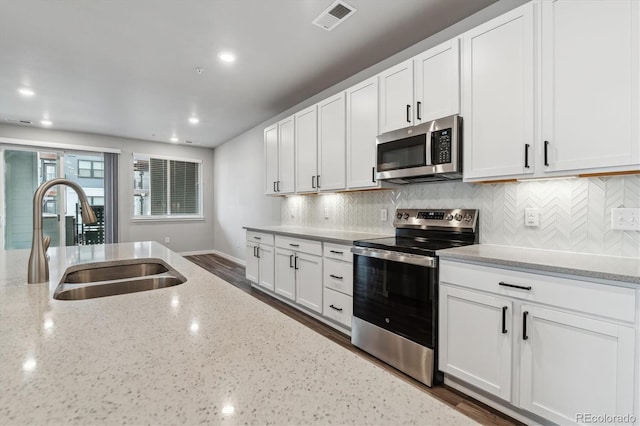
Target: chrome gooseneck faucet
38, 263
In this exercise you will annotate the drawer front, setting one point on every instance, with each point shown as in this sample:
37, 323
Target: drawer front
596, 299
260, 237
338, 307
337, 251
298, 244
338, 276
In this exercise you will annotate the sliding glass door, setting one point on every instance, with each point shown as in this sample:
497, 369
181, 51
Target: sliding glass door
23, 170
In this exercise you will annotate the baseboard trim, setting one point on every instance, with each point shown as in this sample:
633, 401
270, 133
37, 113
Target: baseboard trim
212, 251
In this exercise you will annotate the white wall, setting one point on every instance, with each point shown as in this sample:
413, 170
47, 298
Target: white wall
185, 236
239, 175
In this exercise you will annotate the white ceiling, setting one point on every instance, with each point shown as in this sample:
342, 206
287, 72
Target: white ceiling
127, 67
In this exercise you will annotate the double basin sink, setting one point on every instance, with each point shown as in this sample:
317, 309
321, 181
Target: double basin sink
100, 279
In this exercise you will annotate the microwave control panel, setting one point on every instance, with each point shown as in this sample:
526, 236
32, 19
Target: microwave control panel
441, 146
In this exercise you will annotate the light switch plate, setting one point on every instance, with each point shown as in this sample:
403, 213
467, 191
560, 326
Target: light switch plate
531, 217
326, 213
383, 215
625, 219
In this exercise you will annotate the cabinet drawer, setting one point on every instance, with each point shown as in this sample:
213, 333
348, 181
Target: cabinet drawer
596, 299
337, 306
260, 237
337, 251
298, 244
338, 276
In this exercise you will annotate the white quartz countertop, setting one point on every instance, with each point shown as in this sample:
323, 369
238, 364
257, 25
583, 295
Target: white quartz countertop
336, 236
200, 352
612, 268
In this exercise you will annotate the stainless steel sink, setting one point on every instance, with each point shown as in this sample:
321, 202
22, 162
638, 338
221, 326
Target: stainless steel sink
101, 279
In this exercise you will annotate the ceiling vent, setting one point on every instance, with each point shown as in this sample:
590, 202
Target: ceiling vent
335, 14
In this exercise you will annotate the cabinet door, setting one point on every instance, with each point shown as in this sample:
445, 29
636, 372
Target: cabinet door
476, 332
267, 274
332, 143
396, 97
285, 280
306, 150
437, 82
571, 364
252, 268
309, 281
590, 84
362, 129
271, 158
286, 156
498, 96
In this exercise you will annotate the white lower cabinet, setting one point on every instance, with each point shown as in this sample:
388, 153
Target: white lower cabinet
338, 283
299, 271
260, 260
285, 284
309, 281
556, 347
338, 306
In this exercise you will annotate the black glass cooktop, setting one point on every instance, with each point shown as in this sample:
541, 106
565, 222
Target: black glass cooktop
423, 246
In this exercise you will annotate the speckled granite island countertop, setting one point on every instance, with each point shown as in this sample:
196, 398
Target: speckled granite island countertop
200, 352
612, 268
335, 236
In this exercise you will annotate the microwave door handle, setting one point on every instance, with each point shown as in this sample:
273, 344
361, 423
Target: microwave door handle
427, 150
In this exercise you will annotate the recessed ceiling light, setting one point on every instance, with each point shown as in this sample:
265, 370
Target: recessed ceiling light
25, 91
174, 139
46, 122
227, 57
194, 120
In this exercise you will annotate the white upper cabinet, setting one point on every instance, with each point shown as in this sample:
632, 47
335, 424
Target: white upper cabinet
590, 85
362, 129
498, 96
279, 157
396, 97
332, 144
307, 150
271, 159
437, 82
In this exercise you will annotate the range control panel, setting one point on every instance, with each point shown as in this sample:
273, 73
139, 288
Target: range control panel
425, 218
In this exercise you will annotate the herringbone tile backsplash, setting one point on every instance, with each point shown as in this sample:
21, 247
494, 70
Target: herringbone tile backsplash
575, 214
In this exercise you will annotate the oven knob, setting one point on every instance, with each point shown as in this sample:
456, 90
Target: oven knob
406, 216
399, 215
458, 217
449, 217
468, 217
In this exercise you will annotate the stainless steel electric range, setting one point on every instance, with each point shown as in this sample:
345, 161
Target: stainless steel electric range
395, 288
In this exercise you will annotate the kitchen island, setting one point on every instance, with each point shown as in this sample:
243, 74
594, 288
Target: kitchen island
199, 352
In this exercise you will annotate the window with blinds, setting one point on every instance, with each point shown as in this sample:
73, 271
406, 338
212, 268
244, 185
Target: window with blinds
165, 187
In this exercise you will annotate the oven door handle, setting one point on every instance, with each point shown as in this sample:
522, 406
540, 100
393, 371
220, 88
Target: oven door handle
394, 256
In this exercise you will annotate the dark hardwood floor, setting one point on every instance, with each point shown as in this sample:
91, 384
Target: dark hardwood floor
234, 274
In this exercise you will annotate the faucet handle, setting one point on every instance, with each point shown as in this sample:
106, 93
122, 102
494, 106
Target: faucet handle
46, 241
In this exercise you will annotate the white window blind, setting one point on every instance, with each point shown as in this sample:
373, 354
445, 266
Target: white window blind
166, 187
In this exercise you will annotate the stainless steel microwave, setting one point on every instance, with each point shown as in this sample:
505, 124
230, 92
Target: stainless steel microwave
428, 152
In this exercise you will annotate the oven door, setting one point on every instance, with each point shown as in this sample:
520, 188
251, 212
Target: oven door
397, 292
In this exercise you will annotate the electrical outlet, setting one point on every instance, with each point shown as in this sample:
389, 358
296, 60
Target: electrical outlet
383, 215
326, 213
531, 217
167, 239
625, 219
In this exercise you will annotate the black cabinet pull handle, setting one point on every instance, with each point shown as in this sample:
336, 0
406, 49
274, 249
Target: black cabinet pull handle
521, 287
373, 174
295, 262
418, 108
525, 314
294, 245
408, 113
337, 309
318, 181
336, 277
258, 252
526, 155
254, 251
291, 261
313, 182
258, 238
274, 186
278, 185
504, 320
546, 153
336, 251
